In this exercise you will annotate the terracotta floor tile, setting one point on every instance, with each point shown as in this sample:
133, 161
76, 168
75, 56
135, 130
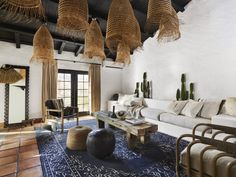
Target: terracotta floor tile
7, 169
8, 141
12, 136
8, 159
28, 148
28, 129
33, 162
8, 152
28, 142
28, 136
9, 146
35, 172
28, 154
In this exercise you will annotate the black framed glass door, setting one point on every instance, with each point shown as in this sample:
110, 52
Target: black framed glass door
73, 88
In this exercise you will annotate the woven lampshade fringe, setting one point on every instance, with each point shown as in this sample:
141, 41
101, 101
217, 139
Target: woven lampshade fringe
122, 26
29, 10
169, 28
9, 75
73, 17
43, 46
123, 54
156, 9
94, 45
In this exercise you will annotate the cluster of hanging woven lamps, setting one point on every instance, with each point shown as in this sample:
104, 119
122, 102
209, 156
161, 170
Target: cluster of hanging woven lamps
43, 46
123, 32
161, 15
73, 17
94, 45
27, 8
9, 75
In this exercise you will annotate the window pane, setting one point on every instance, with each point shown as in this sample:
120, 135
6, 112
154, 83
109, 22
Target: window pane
80, 92
67, 77
86, 78
86, 93
80, 77
67, 101
80, 100
86, 85
67, 85
60, 85
86, 107
80, 85
86, 100
60, 93
81, 108
67, 93
60, 77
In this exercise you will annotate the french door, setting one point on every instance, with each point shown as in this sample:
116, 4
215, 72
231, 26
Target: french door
73, 88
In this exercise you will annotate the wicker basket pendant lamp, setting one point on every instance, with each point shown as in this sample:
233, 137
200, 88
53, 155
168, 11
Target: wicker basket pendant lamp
123, 53
122, 26
161, 15
94, 45
28, 8
73, 16
43, 46
9, 75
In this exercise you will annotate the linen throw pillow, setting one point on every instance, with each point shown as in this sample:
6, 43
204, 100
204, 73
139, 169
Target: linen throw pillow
209, 109
230, 106
176, 107
125, 99
192, 108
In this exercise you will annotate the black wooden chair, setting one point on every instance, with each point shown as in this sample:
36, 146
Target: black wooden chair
55, 108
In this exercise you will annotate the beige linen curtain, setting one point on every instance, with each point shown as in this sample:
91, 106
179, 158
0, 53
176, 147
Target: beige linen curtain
95, 87
49, 83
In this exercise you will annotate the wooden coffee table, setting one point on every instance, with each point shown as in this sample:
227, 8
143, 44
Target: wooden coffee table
134, 133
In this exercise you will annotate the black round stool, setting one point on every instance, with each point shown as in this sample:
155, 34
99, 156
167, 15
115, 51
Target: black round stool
101, 143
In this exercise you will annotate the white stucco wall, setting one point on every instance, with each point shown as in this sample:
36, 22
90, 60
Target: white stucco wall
9, 54
206, 52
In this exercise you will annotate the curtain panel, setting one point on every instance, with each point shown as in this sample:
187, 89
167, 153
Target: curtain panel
95, 87
49, 83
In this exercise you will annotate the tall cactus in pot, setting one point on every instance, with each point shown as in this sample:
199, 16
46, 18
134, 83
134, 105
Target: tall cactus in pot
145, 86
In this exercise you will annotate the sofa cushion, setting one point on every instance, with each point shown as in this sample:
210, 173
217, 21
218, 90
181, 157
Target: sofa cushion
175, 107
125, 99
230, 106
151, 113
192, 108
208, 160
209, 109
223, 119
183, 121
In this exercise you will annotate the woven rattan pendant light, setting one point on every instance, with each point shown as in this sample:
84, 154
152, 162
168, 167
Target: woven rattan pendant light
123, 53
73, 16
122, 26
94, 45
9, 75
161, 15
27, 8
169, 28
43, 47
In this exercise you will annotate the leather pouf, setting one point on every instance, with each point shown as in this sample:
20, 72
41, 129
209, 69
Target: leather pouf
76, 138
101, 143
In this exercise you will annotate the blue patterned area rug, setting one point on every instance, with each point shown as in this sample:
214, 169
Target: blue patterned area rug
155, 159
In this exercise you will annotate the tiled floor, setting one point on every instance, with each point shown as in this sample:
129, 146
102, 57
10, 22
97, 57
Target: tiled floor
19, 154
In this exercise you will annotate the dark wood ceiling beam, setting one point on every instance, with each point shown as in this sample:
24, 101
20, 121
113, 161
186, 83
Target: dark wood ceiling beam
17, 40
78, 50
63, 44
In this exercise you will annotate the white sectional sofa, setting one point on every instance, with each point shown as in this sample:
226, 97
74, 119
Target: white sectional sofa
156, 111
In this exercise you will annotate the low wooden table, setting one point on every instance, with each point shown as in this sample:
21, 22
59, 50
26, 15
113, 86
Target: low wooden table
139, 132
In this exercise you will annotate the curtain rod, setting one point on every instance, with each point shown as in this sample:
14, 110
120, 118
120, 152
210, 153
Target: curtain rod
75, 61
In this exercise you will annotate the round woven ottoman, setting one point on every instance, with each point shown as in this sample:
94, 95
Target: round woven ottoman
76, 138
101, 143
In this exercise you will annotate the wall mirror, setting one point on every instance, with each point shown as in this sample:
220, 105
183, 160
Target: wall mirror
17, 98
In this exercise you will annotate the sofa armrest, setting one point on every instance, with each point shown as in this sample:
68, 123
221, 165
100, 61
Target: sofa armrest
223, 119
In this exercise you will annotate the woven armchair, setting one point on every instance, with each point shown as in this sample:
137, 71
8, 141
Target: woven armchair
55, 108
208, 156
